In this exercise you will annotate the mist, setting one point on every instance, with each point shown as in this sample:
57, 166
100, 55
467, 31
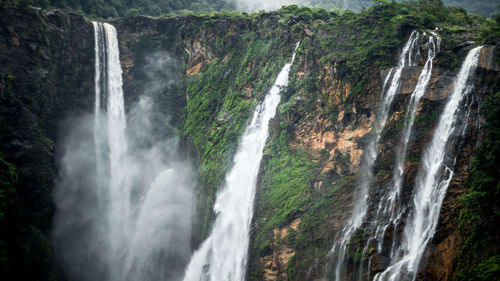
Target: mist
257, 5
152, 241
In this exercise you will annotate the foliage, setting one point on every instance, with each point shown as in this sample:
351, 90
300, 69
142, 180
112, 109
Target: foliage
490, 32
286, 188
223, 95
131, 13
119, 8
480, 211
116, 8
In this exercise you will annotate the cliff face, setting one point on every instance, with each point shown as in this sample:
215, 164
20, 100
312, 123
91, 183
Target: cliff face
214, 69
222, 67
333, 133
46, 74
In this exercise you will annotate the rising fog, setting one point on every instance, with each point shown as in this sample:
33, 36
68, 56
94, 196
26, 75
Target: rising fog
256, 5
157, 180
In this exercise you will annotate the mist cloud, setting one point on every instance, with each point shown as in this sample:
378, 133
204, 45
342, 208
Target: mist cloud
158, 231
256, 5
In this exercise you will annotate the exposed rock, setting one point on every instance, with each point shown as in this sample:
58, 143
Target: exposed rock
379, 263
195, 69
275, 264
409, 78
198, 55
487, 59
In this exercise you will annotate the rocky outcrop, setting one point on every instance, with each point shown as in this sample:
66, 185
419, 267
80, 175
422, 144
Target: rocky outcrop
487, 59
275, 265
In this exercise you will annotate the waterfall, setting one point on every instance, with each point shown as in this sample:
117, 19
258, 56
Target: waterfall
388, 205
433, 178
223, 255
112, 95
124, 211
408, 57
109, 98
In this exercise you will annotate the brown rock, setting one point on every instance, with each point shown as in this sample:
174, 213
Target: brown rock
379, 263
487, 59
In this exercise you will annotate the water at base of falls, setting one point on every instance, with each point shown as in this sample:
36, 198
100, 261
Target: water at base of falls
223, 255
124, 204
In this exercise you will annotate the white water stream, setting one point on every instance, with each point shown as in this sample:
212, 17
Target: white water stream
408, 57
124, 211
389, 207
433, 178
223, 255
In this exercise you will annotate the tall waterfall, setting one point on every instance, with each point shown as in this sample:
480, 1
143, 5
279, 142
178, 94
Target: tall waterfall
108, 70
408, 57
124, 211
389, 211
433, 178
223, 255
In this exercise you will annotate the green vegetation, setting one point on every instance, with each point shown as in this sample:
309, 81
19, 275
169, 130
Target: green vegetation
24, 250
286, 186
481, 7
491, 31
117, 8
223, 95
372, 37
480, 211
121, 8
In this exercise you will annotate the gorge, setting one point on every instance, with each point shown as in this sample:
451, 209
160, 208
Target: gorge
299, 144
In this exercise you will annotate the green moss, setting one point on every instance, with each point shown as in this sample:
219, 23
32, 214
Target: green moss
221, 99
286, 188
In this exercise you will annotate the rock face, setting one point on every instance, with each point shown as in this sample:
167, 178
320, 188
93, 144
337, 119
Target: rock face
46, 74
277, 262
213, 71
337, 144
487, 59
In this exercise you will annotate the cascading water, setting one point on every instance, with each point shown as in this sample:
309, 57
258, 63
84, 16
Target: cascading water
409, 56
124, 210
223, 255
388, 205
433, 178
119, 187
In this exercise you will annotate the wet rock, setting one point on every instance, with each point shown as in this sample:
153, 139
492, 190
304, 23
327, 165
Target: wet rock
379, 263
409, 78
487, 59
